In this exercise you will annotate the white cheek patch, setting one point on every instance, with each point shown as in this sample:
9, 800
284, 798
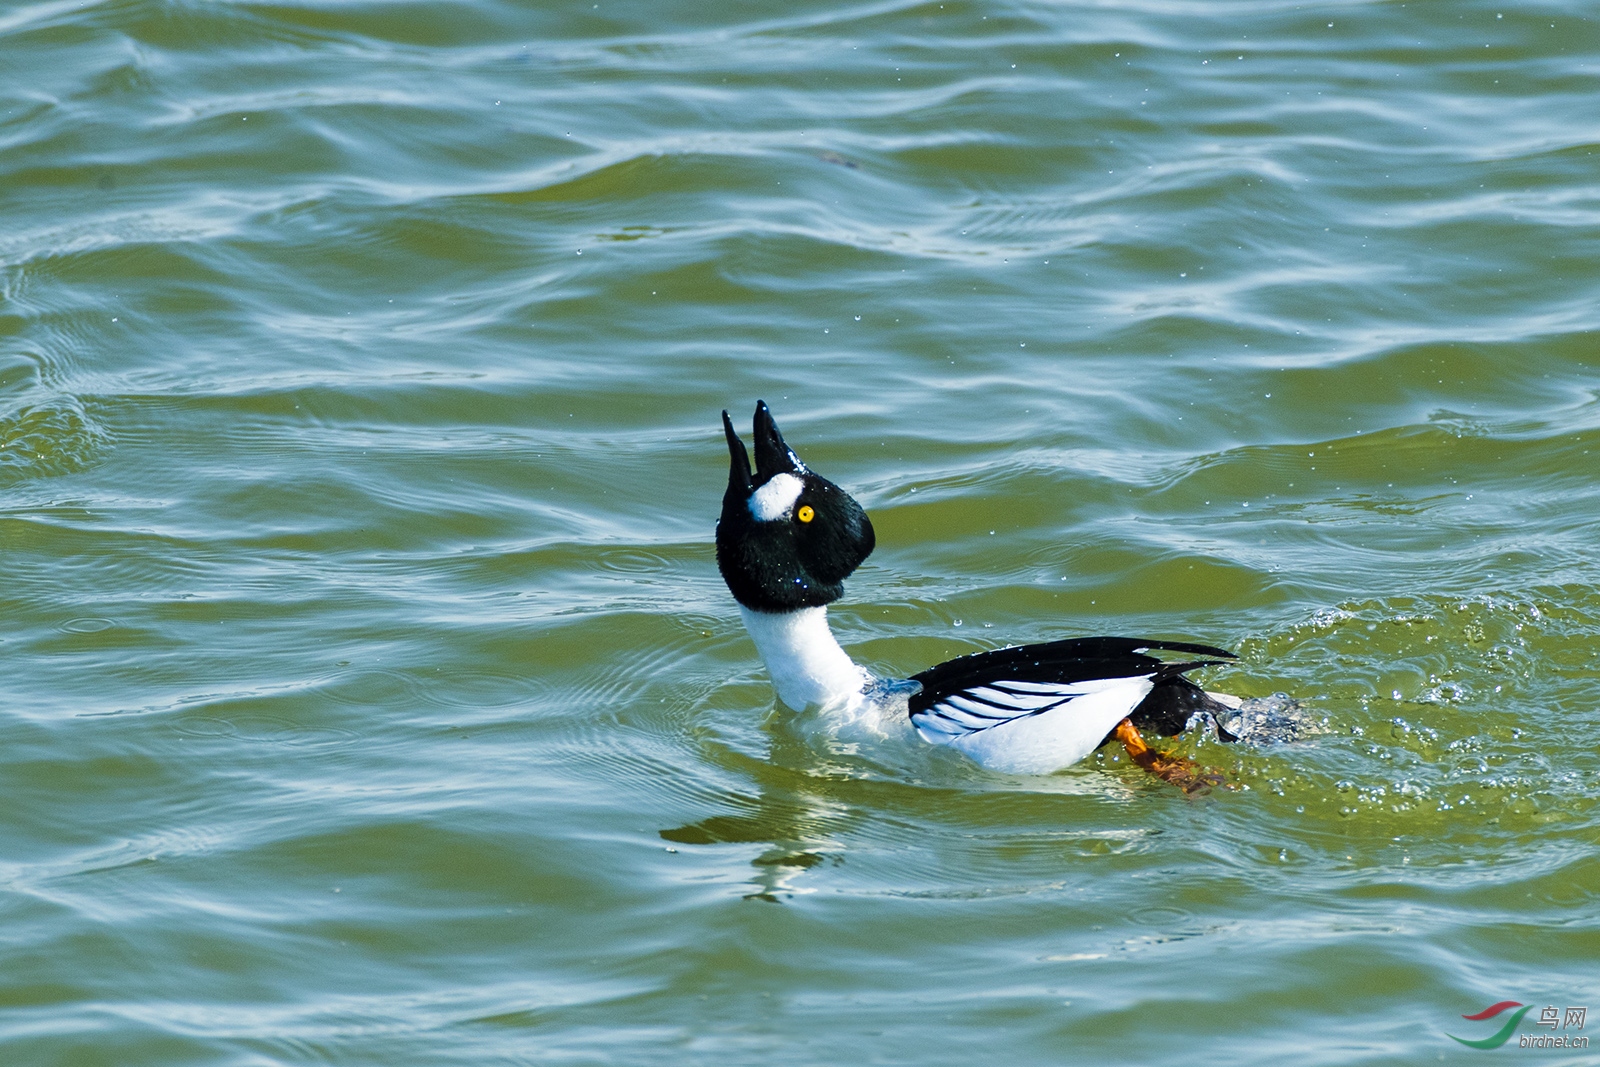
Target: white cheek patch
776, 499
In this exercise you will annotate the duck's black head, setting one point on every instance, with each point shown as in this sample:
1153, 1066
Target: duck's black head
787, 538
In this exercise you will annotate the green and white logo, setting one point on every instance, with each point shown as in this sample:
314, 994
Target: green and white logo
1549, 1016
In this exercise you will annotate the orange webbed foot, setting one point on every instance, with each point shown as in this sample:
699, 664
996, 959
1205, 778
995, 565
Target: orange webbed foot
1183, 773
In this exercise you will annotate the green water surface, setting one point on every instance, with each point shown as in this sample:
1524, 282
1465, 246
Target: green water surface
370, 693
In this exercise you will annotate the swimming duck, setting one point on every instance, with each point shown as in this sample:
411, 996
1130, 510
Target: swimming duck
786, 541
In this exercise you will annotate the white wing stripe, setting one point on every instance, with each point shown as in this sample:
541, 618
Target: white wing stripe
973, 718
1005, 698
1035, 687
989, 709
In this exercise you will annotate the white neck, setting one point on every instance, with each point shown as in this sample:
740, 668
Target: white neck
807, 665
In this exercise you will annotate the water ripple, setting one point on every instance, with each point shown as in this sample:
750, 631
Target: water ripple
359, 376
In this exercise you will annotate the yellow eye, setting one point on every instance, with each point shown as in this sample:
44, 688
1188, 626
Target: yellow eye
805, 514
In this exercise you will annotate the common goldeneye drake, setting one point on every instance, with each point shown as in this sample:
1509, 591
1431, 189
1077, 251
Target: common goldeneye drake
787, 540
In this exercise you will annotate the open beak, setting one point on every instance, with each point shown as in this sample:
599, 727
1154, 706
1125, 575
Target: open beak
739, 481
772, 455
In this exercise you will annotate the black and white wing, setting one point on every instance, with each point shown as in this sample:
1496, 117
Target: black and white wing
1057, 701
985, 705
